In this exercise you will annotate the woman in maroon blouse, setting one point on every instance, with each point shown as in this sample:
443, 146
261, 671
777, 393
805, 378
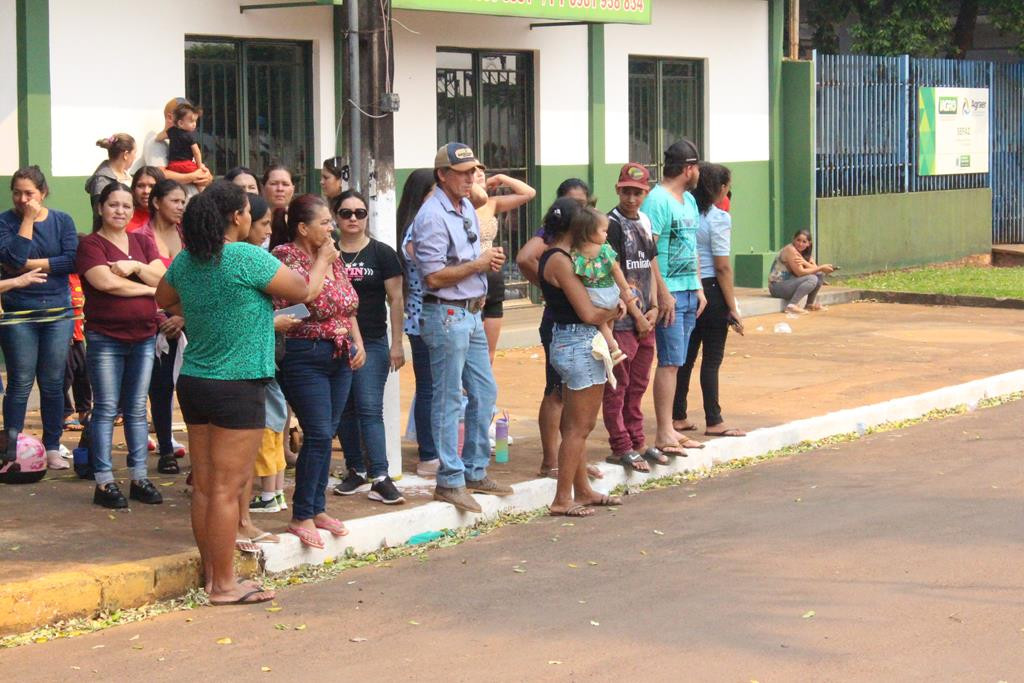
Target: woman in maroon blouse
119, 272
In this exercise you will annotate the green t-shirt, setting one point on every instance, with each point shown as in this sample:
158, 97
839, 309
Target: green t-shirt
229, 320
674, 225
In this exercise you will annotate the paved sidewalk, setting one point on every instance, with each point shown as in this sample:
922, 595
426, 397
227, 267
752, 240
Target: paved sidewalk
846, 357
892, 558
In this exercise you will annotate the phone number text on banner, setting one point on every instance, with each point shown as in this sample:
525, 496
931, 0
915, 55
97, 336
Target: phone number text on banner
605, 11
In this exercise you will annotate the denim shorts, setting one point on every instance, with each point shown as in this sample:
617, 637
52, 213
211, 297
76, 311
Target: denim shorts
674, 339
572, 357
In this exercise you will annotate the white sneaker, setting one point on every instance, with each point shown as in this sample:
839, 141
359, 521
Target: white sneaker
66, 453
54, 461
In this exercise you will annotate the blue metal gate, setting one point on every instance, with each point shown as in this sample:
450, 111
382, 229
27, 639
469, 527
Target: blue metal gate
1007, 158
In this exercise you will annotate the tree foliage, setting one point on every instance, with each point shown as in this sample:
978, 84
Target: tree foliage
924, 28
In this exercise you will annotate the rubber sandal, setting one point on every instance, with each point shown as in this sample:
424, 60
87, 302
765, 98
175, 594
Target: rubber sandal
629, 460
672, 450
574, 511
690, 443
655, 456
73, 425
688, 428
728, 432
606, 501
334, 526
310, 539
246, 545
266, 537
244, 600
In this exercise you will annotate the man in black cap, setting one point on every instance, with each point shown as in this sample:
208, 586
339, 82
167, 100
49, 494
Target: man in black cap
446, 246
674, 221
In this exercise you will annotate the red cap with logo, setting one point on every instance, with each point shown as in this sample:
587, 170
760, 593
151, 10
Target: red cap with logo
634, 175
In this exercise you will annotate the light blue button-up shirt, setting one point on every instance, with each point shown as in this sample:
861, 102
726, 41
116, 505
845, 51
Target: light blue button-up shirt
440, 237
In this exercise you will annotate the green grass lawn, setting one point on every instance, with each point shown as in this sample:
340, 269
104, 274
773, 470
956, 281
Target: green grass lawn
968, 280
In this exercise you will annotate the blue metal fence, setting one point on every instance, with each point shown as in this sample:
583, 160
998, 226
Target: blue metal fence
866, 118
1007, 159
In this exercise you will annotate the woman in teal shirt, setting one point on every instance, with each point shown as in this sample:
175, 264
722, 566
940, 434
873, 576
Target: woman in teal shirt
222, 286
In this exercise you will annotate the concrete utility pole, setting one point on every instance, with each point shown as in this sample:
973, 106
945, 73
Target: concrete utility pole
372, 153
793, 51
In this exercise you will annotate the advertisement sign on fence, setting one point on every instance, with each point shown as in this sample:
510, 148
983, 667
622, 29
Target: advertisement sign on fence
952, 131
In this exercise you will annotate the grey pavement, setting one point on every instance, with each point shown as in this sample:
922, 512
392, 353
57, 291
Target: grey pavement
896, 557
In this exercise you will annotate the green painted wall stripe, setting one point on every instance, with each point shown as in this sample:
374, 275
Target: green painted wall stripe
798, 147
885, 231
32, 19
595, 79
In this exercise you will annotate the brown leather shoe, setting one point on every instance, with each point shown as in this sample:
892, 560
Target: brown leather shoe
459, 497
489, 486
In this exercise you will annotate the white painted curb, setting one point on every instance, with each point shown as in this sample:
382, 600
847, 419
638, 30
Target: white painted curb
367, 534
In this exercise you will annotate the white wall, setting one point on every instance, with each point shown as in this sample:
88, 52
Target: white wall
8, 89
114, 66
560, 71
732, 35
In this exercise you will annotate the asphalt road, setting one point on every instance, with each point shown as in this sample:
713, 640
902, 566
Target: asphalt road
897, 557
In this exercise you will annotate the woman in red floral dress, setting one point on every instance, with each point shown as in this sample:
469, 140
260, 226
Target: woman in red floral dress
320, 355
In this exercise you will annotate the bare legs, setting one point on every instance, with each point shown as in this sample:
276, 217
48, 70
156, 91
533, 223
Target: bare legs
549, 418
492, 328
222, 461
579, 415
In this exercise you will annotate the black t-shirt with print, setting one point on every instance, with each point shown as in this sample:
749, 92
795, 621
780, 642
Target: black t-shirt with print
367, 270
636, 247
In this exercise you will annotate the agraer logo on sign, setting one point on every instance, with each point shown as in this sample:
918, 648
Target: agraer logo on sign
948, 105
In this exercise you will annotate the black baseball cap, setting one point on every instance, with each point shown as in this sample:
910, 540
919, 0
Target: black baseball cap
681, 153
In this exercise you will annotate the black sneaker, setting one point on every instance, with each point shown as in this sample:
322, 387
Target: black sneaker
110, 496
144, 492
385, 491
352, 483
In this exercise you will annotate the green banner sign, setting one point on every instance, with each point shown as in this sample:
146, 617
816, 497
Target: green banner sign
599, 11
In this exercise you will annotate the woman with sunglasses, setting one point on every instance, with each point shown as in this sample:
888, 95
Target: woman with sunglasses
375, 272
331, 175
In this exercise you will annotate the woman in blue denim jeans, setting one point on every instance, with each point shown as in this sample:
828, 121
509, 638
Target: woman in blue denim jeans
418, 187
575, 321
119, 272
36, 238
320, 355
376, 274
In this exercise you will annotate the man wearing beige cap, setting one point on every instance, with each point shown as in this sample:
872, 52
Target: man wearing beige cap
446, 247
154, 153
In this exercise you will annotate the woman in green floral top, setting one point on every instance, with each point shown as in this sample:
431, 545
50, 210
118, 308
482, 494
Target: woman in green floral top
597, 265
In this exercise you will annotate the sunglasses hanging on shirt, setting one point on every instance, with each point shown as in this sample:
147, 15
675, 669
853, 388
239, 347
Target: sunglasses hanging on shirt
471, 236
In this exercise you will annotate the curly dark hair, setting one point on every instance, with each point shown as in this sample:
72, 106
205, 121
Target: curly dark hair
207, 218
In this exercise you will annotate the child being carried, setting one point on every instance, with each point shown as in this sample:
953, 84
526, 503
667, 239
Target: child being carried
183, 153
597, 265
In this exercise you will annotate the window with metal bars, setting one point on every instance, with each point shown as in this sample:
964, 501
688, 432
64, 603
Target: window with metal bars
485, 99
257, 104
666, 103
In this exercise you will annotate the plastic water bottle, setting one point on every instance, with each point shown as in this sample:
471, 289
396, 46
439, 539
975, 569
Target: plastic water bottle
501, 439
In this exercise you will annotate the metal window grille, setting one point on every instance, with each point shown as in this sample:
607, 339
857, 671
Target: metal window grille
666, 103
1007, 159
485, 99
256, 100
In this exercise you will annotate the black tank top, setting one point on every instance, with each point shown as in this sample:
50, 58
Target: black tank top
559, 308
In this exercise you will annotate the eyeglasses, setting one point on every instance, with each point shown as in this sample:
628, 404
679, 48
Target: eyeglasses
471, 236
345, 214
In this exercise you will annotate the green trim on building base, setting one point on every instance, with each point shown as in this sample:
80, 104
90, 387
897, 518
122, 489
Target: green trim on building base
752, 270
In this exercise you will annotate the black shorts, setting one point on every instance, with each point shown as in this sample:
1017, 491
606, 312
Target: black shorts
552, 380
493, 304
224, 403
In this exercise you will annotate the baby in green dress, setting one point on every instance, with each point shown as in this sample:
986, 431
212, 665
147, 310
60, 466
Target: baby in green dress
597, 265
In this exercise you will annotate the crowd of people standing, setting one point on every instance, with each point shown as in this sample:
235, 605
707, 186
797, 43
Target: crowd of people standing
251, 302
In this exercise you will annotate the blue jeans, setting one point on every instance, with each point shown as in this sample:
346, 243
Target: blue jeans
36, 351
424, 398
161, 396
674, 339
316, 385
119, 372
459, 360
364, 412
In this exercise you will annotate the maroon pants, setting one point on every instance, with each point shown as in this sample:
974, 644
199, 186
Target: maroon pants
622, 416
